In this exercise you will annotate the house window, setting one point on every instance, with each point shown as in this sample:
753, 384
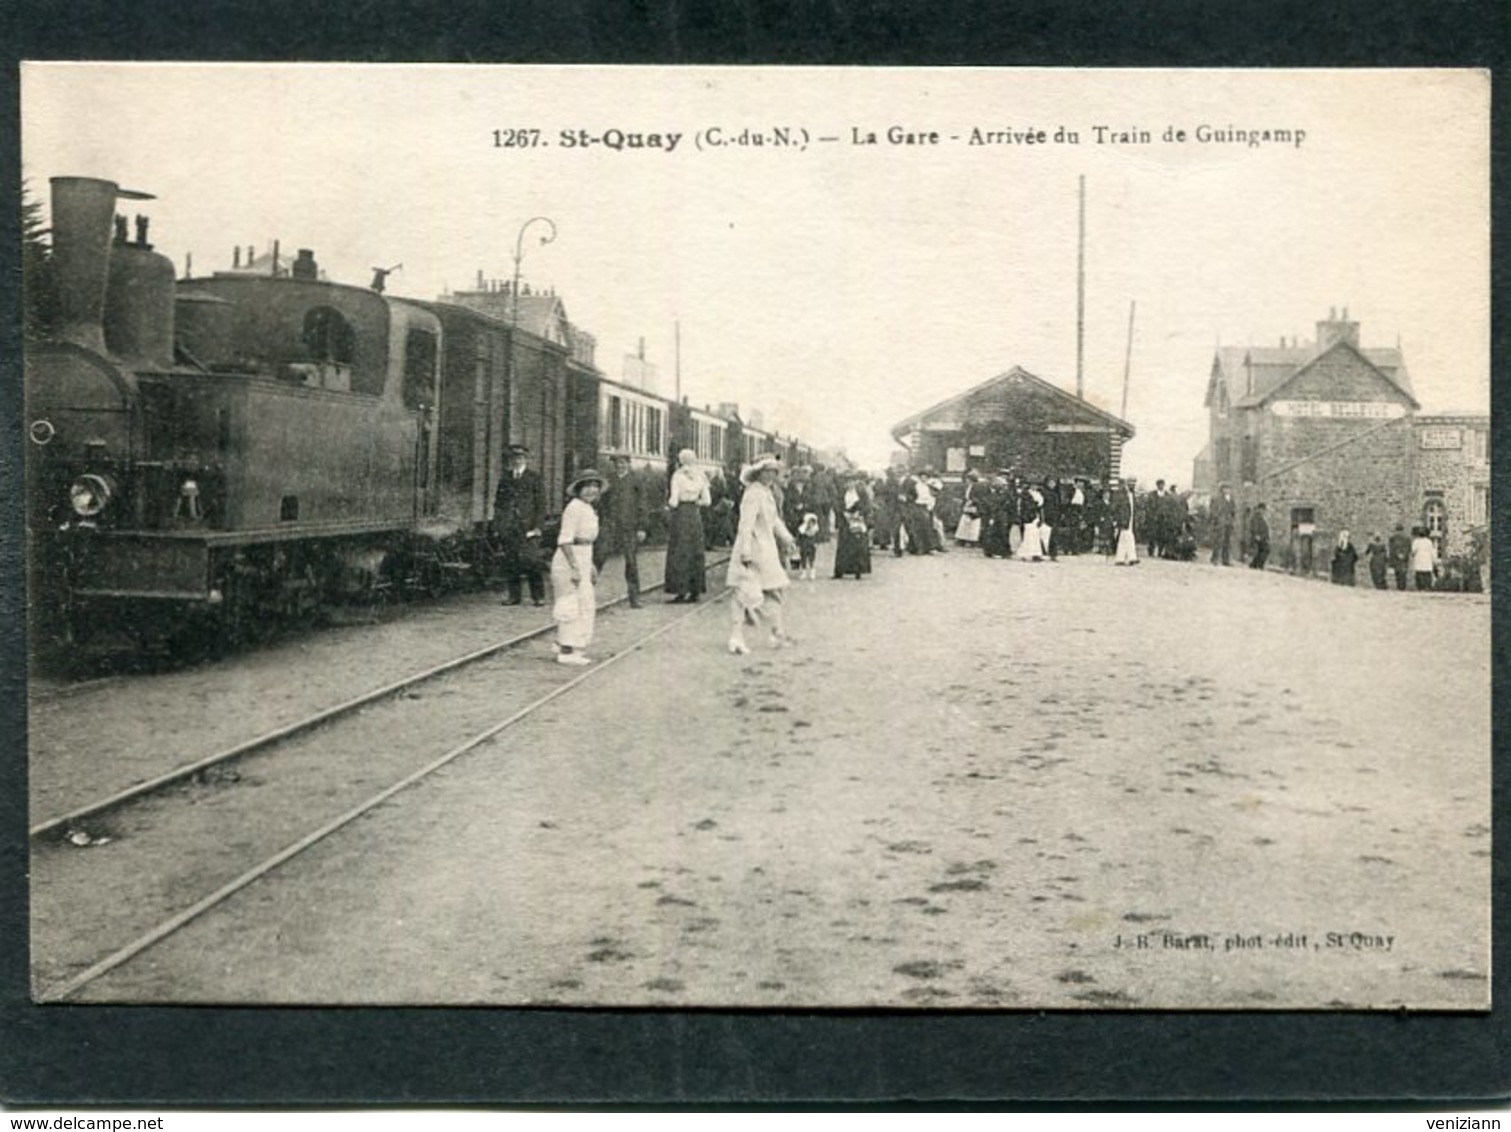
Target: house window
1479, 505
1435, 519
1249, 456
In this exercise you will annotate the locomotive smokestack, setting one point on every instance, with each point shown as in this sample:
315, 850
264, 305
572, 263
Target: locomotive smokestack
83, 216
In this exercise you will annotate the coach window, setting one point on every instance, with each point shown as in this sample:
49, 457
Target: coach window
419, 369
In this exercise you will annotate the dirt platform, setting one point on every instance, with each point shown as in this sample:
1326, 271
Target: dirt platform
972, 784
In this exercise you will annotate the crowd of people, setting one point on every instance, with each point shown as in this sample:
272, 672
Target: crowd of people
774, 519
1006, 515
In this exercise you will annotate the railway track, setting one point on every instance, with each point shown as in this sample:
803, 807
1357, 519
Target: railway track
64, 823
60, 990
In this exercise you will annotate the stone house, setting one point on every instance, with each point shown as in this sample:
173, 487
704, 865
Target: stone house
1321, 432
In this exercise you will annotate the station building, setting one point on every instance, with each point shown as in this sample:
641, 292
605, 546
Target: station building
1329, 436
1015, 420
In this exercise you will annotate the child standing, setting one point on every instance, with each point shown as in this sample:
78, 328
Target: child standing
807, 545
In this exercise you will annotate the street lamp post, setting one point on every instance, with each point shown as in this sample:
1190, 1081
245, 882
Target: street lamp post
519, 254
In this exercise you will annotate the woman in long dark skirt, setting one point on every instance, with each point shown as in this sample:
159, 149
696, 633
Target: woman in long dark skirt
1345, 557
852, 551
995, 503
688, 495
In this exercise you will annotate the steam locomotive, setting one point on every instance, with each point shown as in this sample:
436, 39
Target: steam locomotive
262, 441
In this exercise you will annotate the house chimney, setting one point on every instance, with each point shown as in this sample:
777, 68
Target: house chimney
304, 265
1335, 330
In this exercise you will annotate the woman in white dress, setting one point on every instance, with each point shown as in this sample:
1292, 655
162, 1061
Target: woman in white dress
574, 578
968, 530
762, 543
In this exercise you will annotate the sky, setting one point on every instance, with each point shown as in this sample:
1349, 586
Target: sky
834, 285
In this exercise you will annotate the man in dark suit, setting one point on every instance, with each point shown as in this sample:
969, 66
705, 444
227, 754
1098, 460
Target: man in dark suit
1399, 550
519, 509
1259, 537
1224, 512
1049, 518
622, 512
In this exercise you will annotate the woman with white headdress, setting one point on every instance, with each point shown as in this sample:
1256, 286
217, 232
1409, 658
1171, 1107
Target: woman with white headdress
1031, 512
762, 543
688, 495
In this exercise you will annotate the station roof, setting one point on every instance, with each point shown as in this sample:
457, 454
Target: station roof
998, 397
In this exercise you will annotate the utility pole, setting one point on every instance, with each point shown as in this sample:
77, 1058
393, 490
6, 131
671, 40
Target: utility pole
1128, 359
1081, 297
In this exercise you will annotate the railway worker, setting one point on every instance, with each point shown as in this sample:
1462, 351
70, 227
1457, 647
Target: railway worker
756, 578
621, 514
688, 495
574, 574
519, 512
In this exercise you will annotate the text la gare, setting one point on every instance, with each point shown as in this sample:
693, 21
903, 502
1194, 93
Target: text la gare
895, 135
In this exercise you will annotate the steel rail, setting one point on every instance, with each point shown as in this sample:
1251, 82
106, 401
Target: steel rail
62, 990
74, 817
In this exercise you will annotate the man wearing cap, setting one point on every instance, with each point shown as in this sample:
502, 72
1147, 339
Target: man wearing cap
622, 509
519, 508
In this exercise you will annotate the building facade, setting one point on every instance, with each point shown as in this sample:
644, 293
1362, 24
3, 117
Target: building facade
1015, 420
1328, 435
1450, 480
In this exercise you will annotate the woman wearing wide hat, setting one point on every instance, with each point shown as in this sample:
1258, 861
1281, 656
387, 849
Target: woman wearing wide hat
756, 575
573, 576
